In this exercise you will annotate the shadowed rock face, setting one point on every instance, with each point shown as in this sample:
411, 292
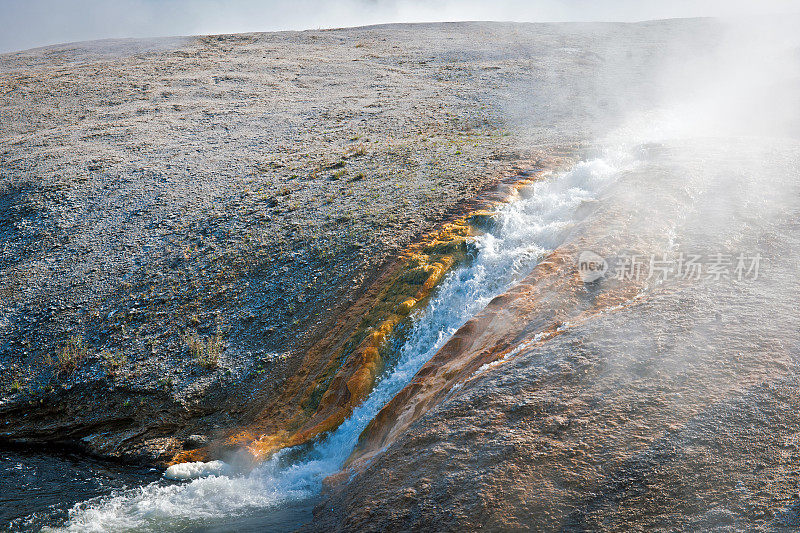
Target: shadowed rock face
638, 404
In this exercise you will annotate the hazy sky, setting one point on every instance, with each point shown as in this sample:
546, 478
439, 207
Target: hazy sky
29, 23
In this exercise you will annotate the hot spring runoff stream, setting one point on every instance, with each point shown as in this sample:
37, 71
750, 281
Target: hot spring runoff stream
280, 493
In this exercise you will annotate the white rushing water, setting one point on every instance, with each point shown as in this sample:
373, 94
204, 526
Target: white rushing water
528, 227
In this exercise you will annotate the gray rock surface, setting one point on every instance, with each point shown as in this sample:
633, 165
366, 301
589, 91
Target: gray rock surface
179, 218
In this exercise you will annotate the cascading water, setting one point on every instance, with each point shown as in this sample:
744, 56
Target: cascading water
528, 227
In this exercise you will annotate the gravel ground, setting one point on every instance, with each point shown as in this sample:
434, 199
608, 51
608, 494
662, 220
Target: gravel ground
181, 218
178, 218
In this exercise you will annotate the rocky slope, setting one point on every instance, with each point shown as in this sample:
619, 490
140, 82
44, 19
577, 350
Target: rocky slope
209, 244
183, 218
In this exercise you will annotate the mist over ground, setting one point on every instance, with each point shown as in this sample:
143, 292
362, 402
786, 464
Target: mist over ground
31, 23
278, 165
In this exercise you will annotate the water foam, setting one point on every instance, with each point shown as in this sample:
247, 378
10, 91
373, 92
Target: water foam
526, 228
198, 469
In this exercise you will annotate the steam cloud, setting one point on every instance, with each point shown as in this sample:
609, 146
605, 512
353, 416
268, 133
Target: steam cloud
30, 23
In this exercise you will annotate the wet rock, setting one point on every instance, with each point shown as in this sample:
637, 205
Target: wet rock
576, 435
192, 442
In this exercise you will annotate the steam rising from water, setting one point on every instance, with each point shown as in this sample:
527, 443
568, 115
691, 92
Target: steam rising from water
738, 95
526, 229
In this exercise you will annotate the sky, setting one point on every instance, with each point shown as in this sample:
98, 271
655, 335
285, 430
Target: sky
31, 23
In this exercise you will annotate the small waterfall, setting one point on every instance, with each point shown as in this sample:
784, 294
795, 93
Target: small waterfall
527, 228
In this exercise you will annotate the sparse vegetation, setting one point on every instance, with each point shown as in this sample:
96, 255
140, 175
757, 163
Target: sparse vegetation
361, 150
205, 350
114, 362
70, 355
